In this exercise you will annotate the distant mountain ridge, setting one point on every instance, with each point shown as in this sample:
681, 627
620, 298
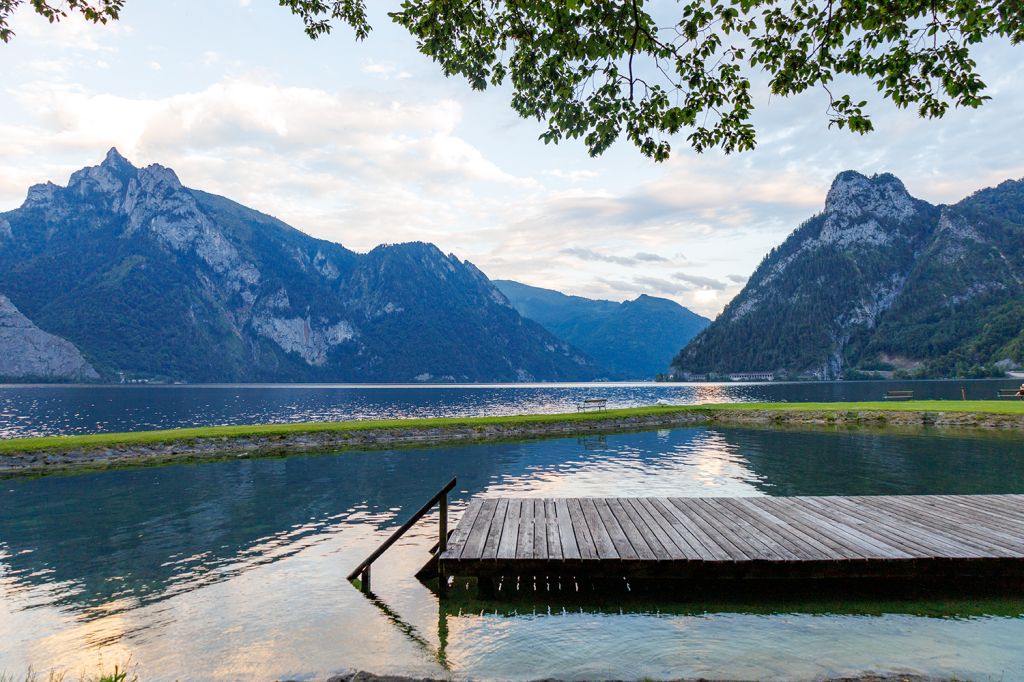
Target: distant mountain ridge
632, 340
129, 274
881, 281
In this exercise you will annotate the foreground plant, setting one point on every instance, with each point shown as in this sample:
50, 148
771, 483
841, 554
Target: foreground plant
119, 674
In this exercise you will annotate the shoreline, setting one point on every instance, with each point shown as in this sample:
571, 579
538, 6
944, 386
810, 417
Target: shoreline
363, 676
40, 456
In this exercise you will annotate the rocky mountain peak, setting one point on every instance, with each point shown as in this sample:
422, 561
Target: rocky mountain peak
109, 178
40, 194
854, 195
116, 177
115, 161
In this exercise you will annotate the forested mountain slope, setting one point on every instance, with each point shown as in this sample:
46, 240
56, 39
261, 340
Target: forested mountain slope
881, 281
632, 340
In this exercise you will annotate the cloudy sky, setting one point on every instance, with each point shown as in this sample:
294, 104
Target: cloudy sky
367, 143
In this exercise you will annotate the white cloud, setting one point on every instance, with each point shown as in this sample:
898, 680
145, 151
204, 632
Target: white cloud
348, 131
578, 175
385, 70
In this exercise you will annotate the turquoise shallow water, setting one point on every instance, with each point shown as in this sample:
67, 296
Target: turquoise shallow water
235, 570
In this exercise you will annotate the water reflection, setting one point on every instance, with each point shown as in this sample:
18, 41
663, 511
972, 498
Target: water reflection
237, 568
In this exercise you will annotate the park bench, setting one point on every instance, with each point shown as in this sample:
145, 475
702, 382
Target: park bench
899, 395
592, 404
1008, 393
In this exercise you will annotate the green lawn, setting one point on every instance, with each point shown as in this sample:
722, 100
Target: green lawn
169, 435
972, 406
101, 440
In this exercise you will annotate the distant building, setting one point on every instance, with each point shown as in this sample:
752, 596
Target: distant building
752, 376
690, 376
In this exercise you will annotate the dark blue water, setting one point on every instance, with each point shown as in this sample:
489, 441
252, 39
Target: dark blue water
235, 570
52, 410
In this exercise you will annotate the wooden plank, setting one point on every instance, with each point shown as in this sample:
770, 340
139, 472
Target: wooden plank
736, 547
618, 535
688, 547
524, 542
821, 530
584, 538
754, 533
856, 529
948, 529
566, 532
1009, 508
674, 545
602, 539
474, 546
843, 527
997, 513
640, 539
798, 524
844, 531
691, 528
896, 530
461, 532
494, 532
510, 532
540, 530
785, 536
944, 536
553, 531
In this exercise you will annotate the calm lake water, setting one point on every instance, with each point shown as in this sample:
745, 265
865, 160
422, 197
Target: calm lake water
235, 570
52, 410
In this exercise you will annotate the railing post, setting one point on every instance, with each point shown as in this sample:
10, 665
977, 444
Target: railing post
442, 545
363, 569
442, 540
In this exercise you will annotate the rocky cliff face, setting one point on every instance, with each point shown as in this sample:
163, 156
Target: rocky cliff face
155, 280
31, 353
871, 283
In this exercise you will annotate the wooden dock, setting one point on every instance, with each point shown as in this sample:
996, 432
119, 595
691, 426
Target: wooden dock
712, 538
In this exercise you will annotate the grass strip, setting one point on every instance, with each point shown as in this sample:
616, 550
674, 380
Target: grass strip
106, 440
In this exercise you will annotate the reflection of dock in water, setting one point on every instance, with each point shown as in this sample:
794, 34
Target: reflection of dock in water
739, 541
882, 554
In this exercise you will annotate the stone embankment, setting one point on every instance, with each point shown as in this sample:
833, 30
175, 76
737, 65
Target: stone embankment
194, 449
907, 418
57, 458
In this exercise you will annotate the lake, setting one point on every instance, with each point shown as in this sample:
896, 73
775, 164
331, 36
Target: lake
53, 410
236, 570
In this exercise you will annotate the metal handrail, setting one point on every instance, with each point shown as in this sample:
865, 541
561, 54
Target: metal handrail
363, 569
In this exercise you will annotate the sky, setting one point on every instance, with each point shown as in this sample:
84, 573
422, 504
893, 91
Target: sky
368, 143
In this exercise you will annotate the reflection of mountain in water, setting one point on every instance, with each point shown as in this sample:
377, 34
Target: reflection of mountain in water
143, 535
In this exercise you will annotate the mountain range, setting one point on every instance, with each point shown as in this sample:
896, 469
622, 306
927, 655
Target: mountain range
880, 282
631, 340
125, 274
